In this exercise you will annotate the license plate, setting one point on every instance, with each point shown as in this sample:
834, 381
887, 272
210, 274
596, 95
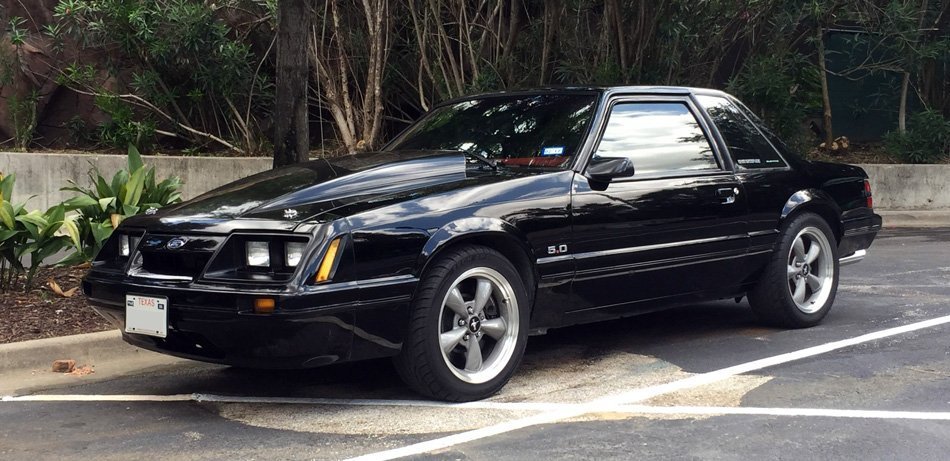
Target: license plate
146, 315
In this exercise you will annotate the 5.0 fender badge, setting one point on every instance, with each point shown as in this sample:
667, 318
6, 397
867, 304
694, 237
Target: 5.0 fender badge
290, 213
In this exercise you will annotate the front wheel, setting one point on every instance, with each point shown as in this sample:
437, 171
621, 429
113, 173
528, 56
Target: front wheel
468, 328
799, 285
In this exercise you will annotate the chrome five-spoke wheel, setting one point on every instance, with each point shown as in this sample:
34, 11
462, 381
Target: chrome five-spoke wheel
479, 325
469, 325
810, 270
799, 284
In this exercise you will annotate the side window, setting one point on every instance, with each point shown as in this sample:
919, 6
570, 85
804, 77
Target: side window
748, 146
658, 137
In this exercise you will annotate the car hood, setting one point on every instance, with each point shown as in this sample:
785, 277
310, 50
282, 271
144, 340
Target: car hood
304, 192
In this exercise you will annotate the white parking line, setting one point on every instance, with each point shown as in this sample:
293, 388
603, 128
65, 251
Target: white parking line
550, 412
611, 402
821, 412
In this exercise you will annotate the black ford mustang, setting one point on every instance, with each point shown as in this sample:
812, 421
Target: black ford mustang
491, 218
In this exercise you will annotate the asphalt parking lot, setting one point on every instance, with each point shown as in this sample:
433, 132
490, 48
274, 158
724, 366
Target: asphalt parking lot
703, 381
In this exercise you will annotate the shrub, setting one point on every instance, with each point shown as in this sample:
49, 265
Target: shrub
30, 233
21, 104
183, 68
927, 139
784, 89
122, 128
105, 204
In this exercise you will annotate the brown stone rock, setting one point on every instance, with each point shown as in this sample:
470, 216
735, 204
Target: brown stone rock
64, 366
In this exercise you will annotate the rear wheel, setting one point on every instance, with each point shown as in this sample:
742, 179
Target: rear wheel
801, 280
468, 328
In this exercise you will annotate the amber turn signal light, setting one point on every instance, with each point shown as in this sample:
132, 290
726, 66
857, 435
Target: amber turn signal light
264, 305
326, 266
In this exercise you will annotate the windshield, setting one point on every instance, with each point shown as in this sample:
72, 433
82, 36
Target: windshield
542, 131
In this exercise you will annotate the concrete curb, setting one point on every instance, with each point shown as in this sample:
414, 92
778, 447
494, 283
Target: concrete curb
915, 218
90, 348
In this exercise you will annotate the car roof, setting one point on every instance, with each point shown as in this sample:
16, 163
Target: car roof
591, 89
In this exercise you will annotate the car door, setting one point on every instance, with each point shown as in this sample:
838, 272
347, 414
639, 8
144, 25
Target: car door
673, 230
764, 173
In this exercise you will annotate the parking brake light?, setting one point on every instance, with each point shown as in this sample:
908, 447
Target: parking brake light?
264, 305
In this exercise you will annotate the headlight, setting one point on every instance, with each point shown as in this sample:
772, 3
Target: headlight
125, 248
258, 254
293, 253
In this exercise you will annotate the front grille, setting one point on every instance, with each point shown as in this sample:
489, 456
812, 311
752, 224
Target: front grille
188, 264
176, 256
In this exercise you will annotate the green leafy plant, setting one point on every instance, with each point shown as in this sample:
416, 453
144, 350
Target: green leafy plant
32, 234
186, 73
123, 129
106, 203
784, 89
12, 235
927, 139
21, 104
45, 238
23, 112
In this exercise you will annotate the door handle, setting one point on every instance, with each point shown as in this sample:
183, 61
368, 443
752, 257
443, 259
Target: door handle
727, 194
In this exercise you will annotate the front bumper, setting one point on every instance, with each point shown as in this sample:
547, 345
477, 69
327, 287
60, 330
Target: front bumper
219, 327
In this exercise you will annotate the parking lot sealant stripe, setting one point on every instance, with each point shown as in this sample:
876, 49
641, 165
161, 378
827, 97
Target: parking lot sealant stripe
213, 398
608, 403
99, 398
481, 405
510, 406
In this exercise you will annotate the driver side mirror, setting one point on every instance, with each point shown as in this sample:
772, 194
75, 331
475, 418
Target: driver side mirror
605, 170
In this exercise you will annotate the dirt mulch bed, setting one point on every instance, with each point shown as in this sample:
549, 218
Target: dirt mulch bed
42, 313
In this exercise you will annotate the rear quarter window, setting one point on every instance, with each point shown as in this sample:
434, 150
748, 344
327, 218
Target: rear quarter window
747, 145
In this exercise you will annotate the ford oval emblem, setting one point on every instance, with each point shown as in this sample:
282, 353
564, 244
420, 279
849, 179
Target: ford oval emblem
175, 243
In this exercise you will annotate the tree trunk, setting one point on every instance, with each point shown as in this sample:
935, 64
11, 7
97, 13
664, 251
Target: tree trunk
825, 95
291, 121
902, 111
552, 15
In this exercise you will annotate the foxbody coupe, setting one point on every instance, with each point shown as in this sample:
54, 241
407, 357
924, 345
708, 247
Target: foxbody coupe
492, 218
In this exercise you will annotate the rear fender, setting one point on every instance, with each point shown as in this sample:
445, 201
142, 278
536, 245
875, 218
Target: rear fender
814, 201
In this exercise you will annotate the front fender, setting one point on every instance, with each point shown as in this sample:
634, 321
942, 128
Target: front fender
475, 229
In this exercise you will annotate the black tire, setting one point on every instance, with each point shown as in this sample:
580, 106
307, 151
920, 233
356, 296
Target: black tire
424, 366
773, 298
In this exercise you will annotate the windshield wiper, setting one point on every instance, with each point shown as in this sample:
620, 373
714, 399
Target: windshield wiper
481, 159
